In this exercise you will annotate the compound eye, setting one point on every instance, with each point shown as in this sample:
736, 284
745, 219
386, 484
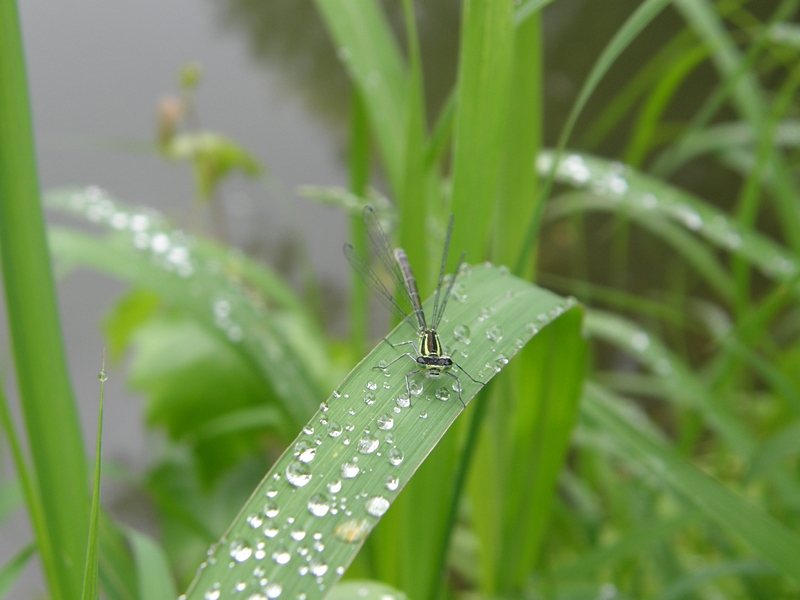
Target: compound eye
421, 360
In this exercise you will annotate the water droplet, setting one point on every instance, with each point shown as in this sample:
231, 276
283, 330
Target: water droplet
385, 422
423, 415
319, 505
462, 333
297, 535
304, 452
368, 443
443, 394
371, 385
531, 328
351, 411
377, 506
336, 394
403, 401
270, 531
640, 341
240, 551
494, 333
240, 587
388, 438
272, 492
688, 215
271, 510
500, 362
392, 483
212, 593
102, 376
485, 314
281, 555
334, 429
415, 387
369, 398
255, 521
298, 474
350, 470
318, 567
396, 456
343, 53
334, 487
260, 553
308, 430
274, 590
349, 426
323, 406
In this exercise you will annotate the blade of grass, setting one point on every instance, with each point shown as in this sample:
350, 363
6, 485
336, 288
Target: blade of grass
91, 587
618, 187
633, 26
486, 63
305, 522
47, 403
11, 571
282, 345
519, 180
519, 459
772, 540
359, 173
366, 46
152, 568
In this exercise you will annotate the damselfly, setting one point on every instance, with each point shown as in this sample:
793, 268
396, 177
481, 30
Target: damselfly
430, 356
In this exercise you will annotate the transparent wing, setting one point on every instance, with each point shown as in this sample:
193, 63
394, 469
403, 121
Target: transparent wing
373, 282
383, 250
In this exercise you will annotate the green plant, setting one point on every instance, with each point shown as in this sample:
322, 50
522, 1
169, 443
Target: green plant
671, 473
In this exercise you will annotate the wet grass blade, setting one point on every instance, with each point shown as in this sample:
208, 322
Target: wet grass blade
212, 285
619, 188
304, 524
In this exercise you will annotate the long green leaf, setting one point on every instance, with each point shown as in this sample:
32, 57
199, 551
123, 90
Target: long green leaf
486, 63
47, 403
10, 572
206, 282
91, 572
303, 525
633, 26
763, 533
366, 46
152, 568
616, 187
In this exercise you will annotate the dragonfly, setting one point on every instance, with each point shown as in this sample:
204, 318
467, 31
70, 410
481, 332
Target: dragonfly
429, 354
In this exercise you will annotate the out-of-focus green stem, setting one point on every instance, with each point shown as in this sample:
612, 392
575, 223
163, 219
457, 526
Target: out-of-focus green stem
51, 419
359, 179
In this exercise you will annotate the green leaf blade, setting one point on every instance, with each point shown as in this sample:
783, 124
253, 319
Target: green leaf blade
306, 521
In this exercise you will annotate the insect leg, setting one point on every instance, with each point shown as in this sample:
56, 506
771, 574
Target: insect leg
413, 345
460, 368
408, 385
386, 366
460, 399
